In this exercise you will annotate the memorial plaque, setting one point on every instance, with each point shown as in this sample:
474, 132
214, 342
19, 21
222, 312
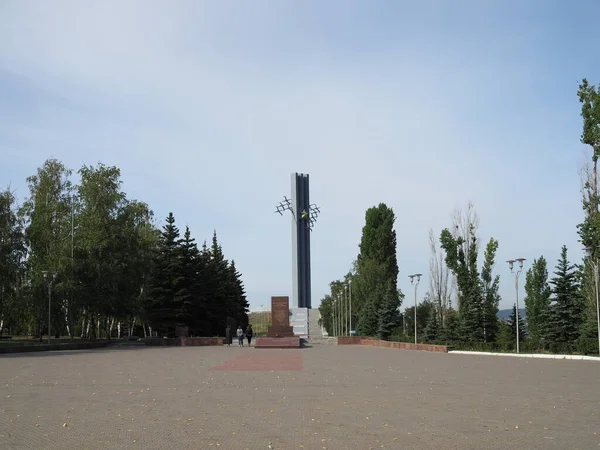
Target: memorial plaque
280, 318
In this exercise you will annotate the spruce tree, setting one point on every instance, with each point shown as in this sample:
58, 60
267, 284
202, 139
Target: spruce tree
388, 317
237, 294
449, 332
169, 305
432, 331
512, 323
194, 274
565, 318
368, 320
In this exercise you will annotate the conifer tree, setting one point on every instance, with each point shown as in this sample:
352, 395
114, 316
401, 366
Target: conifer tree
170, 300
388, 317
512, 323
432, 331
194, 274
566, 310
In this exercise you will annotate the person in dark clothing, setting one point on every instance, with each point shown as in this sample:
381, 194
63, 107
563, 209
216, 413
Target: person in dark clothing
228, 335
249, 334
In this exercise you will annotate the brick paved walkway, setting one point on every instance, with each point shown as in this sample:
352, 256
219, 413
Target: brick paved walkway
342, 398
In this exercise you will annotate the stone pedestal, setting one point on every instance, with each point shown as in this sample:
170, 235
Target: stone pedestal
280, 333
280, 318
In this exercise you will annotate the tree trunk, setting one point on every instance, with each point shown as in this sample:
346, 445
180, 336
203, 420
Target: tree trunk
132, 327
112, 326
595, 185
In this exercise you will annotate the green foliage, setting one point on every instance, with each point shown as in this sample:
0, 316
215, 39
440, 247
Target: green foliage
377, 298
115, 270
505, 338
449, 332
425, 309
170, 300
589, 97
326, 311
432, 332
490, 294
389, 315
512, 324
565, 313
12, 254
537, 299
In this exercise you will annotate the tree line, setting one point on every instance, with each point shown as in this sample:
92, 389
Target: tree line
105, 266
460, 306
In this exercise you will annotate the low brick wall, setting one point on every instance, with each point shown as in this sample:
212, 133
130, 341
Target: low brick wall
185, 342
53, 347
277, 342
372, 342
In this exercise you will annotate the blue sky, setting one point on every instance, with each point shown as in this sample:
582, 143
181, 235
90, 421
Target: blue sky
207, 107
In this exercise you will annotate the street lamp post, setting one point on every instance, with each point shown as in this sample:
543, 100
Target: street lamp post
485, 292
412, 278
346, 310
49, 277
588, 253
333, 316
350, 296
340, 314
516, 274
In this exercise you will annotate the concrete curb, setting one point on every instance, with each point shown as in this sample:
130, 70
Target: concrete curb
527, 355
57, 347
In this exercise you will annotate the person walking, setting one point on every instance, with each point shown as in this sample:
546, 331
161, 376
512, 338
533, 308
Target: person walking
249, 334
228, 335
240, 335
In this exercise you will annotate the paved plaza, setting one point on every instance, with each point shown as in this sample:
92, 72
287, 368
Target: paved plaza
326, 397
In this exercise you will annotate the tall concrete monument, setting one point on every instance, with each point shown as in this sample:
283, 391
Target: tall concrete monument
304, 216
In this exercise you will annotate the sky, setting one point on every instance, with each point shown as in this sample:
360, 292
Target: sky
208, 107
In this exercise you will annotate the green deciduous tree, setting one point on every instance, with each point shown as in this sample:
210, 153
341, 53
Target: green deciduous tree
47, 217
114, 267
490, 294
12, 255
589, 230
376, 295
589, 97
100, 250
478, 298
537, 299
